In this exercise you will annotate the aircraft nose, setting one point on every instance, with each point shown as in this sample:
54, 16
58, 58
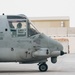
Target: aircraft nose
61, 49
62, 53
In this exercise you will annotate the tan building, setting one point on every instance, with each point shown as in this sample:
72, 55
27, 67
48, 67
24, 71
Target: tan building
48, 22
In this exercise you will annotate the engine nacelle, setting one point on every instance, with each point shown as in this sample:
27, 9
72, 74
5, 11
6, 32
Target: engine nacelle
55, 53
42, 52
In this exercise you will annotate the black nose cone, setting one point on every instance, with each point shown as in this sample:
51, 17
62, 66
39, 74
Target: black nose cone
62, 53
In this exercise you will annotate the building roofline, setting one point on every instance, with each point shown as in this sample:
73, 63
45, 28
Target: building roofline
50, 18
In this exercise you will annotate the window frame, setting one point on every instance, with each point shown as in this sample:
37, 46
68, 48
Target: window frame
16, 30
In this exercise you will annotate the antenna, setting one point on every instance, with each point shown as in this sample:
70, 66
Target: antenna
2, 13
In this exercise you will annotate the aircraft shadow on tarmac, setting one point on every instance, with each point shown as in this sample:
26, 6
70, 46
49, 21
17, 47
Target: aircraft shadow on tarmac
30, 71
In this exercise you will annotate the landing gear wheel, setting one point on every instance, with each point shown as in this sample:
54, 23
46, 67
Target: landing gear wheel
43, 67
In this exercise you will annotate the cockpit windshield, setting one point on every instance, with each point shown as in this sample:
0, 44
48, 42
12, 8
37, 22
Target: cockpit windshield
32, 30
21, 26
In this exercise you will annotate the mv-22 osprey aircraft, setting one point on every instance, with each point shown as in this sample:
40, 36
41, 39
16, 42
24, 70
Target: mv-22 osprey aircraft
21, 42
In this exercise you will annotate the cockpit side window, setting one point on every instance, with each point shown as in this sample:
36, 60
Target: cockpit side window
32, 30
17, 28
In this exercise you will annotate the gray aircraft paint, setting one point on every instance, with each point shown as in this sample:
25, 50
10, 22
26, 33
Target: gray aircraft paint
23, 49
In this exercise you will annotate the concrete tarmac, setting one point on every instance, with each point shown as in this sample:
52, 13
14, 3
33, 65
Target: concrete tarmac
64, 66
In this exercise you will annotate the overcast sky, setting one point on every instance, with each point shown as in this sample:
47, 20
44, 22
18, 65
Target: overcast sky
40, 8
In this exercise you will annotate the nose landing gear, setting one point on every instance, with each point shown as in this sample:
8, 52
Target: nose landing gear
43, 67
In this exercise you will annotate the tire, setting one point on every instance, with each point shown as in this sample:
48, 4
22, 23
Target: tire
43, 67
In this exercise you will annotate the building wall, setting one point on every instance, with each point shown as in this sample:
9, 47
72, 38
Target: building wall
48, 22
71, 32
52, 23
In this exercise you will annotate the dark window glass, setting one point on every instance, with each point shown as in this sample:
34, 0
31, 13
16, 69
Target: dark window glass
15, 17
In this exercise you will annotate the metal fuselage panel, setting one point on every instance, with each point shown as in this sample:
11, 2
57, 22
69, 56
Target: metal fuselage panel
13, 49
